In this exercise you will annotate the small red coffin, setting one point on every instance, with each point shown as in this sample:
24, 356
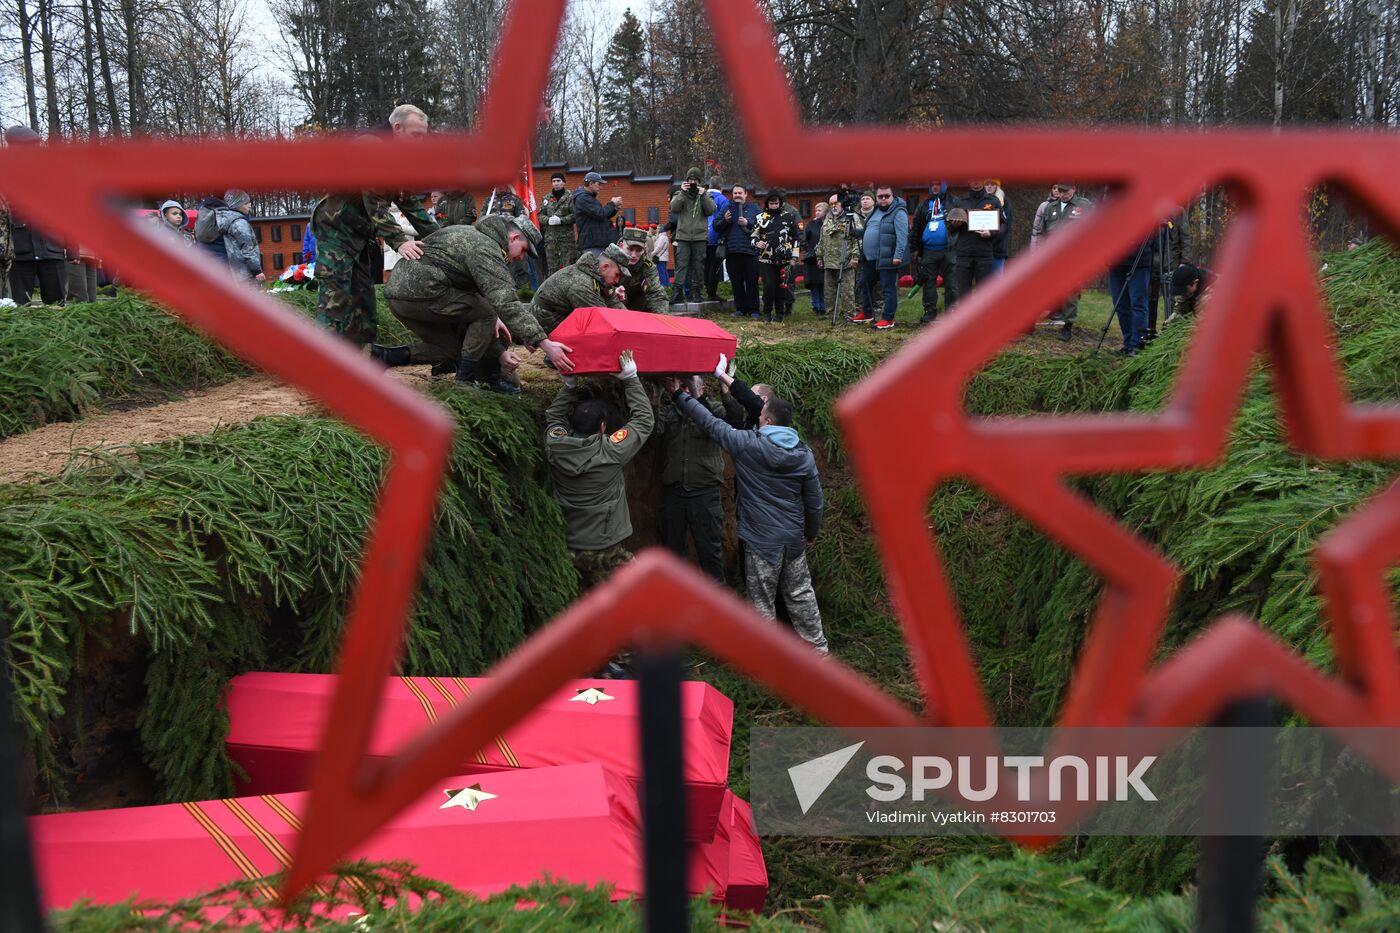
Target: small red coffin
275, 728
660, 343
748, 873
577, 823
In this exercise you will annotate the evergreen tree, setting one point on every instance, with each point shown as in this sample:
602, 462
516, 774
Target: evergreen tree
630, 140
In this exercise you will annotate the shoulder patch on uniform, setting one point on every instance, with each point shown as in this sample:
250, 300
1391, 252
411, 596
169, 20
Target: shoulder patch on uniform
618, 436
557, 431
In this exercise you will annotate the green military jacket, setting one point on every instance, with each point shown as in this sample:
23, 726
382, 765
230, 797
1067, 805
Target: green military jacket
561, 207
456, 208
355, 219
836, 245
508, 205
691, 209
644, 291
577, 286
690, 458
586, 472
1066, 211
472, 260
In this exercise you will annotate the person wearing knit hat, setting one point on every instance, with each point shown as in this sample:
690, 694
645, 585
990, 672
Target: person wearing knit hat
223, 228
692, 208
33, 255
556, 213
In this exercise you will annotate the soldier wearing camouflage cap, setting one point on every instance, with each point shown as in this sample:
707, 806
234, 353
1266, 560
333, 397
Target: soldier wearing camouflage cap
588, 283
641, 281
459, 297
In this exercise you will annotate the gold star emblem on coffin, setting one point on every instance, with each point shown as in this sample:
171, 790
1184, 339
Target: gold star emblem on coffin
592, 696
468, 798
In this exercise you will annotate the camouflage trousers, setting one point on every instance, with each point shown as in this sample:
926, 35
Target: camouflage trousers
560, 251
792, 578
457, 325
345, 302
840, 291
596, 566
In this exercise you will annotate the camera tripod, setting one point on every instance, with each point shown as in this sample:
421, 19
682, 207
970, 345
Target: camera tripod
1163, 248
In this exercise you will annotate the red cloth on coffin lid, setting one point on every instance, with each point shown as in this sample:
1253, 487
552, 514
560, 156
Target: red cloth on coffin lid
660, 343
578, 823
275, 723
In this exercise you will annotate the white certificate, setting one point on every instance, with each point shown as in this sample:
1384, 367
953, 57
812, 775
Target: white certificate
984, 220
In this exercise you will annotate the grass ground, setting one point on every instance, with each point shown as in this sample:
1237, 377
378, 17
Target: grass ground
1094, 307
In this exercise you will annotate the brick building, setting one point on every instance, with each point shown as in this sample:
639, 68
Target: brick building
646, 199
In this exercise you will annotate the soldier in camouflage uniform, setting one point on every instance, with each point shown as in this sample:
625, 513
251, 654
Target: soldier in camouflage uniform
641, 282
585, 469
7, 249
347, 227
458, 298
456, 208
506, 204
557, 223
588, 283
838, 254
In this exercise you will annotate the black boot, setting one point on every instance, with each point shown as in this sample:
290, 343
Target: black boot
489, 375
392, 356
443, 369
1067, 332
468, 371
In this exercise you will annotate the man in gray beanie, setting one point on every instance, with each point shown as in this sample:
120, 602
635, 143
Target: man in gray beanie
222, 227
35, 256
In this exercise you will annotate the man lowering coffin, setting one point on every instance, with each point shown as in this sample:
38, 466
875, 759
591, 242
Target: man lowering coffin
460, 296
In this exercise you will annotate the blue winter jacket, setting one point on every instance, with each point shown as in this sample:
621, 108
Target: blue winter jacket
721, 202
778, 493
886, 238
734, 235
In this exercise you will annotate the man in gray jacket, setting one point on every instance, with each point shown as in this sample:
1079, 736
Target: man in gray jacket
779, 505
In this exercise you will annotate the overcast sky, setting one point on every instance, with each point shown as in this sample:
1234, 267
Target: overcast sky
264, 32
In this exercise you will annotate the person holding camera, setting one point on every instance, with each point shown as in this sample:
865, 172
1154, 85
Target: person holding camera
691, 208
595, 220
838, 255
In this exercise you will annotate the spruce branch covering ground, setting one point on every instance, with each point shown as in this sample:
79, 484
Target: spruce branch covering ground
99, 544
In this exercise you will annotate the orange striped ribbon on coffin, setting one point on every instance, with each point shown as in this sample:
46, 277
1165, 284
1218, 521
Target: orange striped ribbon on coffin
275, 723
481, 833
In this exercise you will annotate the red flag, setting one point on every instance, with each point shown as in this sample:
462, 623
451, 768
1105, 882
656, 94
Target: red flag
524, 188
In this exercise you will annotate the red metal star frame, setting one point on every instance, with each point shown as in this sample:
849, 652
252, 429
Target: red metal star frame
1266, 295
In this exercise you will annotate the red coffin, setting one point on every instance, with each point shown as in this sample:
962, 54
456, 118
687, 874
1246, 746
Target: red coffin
659, 343
275, 728
748, 873
578, 823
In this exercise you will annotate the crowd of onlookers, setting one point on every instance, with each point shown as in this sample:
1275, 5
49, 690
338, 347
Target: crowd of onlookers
853, 253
